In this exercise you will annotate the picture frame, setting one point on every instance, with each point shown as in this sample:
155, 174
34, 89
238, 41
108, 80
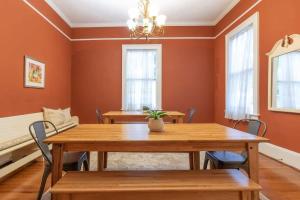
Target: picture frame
34, 73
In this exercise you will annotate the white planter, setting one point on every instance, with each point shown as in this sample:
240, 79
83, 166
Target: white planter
156, 125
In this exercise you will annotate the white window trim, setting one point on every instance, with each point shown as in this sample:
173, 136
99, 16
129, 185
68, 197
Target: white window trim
157, 47
254, 19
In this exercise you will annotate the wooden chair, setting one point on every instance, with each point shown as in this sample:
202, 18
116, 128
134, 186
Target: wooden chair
233, 160
73, 161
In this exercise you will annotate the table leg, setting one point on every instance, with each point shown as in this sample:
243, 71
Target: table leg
106, 120
253, 167
57, 157
180, 120
191, 160
100, 161
102, 156
57, 165
196, 160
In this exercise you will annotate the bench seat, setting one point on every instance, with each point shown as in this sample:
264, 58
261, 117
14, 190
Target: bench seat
155, 185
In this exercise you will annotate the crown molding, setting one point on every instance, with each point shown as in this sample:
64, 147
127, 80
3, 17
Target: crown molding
238, 18
45, 18
226, 11
59, 12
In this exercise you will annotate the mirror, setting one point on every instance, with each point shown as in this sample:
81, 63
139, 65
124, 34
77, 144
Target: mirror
284, 75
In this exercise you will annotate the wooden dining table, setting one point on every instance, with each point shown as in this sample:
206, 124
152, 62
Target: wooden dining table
138, 138
139, 116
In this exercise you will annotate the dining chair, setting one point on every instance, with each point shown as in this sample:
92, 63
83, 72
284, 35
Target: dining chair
73, 161
190, 114
99, 116
233, 160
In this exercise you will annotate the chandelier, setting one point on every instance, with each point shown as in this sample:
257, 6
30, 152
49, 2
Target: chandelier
145, 22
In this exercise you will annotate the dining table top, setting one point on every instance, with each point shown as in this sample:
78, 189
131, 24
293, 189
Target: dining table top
202, 132
139, 113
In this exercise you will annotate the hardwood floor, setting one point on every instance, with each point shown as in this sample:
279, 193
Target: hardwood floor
279, 182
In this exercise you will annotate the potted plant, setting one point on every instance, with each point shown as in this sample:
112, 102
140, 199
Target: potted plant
156, 122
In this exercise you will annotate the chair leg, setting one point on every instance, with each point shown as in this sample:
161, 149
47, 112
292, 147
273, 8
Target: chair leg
86, 165
191, 158
47, 171
105, 160
78, 165
206, 159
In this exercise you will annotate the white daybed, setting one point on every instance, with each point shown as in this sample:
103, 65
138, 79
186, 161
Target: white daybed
15, 139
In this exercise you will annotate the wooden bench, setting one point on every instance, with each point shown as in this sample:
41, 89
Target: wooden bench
155, 185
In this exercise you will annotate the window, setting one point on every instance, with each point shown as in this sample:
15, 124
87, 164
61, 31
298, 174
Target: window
242, 70
141, 84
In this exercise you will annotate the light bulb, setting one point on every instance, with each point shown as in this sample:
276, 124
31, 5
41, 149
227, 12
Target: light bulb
149, 28
131, 24
161, 20
146, 22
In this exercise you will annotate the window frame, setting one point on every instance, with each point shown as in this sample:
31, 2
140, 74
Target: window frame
158, 48
254, 19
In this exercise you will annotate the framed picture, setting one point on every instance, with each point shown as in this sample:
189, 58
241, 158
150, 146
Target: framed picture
34, 73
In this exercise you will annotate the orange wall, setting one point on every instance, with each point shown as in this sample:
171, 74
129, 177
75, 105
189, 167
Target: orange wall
23, 32
277, 18
187, 77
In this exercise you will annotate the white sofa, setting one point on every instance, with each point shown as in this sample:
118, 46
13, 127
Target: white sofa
14, 135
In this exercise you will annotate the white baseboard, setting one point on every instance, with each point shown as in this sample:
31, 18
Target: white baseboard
283, 155
16, 165
5, 158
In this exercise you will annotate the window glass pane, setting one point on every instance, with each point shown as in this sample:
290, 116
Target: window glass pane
141, 64
240, 74
141, 79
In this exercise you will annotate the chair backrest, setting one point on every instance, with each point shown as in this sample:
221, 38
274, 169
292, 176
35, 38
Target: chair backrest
99, 116
191, 114
254, 126
38, 133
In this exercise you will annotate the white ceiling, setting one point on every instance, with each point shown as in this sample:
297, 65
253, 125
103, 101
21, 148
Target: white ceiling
110, 13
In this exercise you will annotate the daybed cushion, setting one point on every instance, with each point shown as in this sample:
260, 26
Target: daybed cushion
56, 116
11, 135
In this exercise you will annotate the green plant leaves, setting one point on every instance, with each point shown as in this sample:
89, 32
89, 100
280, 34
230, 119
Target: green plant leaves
155, 114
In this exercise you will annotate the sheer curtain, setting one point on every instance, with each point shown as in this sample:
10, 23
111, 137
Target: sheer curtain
288, 80
240, 74
140, 79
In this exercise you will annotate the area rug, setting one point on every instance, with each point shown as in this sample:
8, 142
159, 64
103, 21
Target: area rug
144, 161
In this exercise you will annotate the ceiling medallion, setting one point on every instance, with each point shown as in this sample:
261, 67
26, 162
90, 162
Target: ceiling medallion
145, 22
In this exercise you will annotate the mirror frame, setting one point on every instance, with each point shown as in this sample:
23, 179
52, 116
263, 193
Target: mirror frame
286, 45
